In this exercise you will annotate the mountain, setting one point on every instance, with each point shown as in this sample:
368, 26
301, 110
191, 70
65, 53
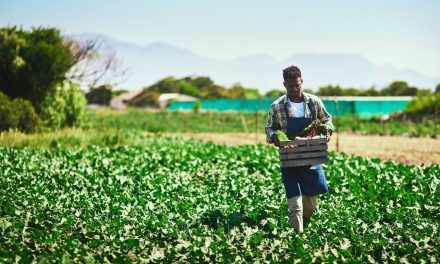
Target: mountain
148, 64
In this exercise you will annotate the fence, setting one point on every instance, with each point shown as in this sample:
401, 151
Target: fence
362, 106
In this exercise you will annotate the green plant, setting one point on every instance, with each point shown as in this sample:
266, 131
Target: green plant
18, 114
65, 107
196, 107
176, 200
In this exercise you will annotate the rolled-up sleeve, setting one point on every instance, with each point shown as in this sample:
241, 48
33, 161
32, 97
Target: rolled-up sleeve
272, 124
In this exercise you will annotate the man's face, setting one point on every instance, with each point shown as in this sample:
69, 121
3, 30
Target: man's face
293, 87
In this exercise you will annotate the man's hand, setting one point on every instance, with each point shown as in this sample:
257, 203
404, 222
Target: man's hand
275, 140
328, 136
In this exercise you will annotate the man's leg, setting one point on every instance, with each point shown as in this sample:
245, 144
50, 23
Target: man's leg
296, 213
309, 205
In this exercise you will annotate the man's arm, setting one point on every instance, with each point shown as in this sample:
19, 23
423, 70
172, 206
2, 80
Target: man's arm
271, 126
324, 116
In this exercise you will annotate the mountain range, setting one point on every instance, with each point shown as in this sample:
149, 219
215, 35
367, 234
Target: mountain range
150, 63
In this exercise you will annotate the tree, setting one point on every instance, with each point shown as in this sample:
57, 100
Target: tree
32, 62
100, 95
371, 92
94, 63
399, 88
330, 91
437, 88
274, 93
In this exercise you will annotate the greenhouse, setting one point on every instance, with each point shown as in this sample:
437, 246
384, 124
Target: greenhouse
363, 106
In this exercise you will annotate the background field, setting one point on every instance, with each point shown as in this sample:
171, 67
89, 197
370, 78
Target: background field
219, 122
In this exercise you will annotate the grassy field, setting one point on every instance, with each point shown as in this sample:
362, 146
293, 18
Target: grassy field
220, 122
165, 199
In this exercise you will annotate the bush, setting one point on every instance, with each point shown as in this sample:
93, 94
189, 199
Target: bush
76, 104
196, 107
7, 117
65, 107
18, 114
423, 106
27, 119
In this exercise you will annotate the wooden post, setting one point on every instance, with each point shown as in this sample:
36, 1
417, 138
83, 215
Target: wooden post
435, 121
256, 123
119, 137
337, 124
209, 121
243, 122
186, 121
167, 120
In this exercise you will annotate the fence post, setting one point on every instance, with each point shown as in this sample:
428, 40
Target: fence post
186, 114
435, 121
337, 124
256, 123
243, 122
167, 120
119, 136
209, 121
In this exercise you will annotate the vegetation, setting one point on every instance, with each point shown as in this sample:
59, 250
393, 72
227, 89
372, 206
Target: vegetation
100, 95
33, 63
177, 121
18, 114
187, 201
316, 128
36, 73
205, 88
424, 106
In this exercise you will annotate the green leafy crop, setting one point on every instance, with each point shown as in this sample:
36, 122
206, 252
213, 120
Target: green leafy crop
316, 128
188, 201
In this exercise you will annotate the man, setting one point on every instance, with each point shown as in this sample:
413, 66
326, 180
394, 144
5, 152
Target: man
291, 113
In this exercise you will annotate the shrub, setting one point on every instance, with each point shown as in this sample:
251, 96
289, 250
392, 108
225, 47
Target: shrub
27, 119
423, 106
196, 106
18, 114
65, 107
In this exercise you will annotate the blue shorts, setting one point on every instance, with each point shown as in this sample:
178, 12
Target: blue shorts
304, 180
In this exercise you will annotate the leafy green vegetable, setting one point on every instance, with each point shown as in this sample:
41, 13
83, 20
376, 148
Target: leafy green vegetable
316, 128
281, 135
190, 201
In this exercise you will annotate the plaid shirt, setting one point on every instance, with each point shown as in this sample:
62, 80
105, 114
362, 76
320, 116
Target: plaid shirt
277, 120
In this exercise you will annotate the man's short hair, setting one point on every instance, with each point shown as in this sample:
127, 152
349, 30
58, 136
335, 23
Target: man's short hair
291, 73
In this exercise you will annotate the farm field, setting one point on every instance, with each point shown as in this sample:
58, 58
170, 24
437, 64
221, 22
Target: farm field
236, 122
169, 199
398, 148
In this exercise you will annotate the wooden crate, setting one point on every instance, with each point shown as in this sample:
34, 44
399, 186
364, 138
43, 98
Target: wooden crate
305, 152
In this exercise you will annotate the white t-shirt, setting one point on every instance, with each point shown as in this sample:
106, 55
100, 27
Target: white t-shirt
297, 109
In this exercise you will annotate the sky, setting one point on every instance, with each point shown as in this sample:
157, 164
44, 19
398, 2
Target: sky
401, 33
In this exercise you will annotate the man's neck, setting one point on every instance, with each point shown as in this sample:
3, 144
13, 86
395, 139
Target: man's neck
296, 99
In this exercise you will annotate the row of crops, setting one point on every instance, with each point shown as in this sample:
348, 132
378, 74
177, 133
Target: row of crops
177, 200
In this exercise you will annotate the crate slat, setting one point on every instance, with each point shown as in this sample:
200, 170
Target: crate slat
300, 142
303, 162
303, 149
301, 155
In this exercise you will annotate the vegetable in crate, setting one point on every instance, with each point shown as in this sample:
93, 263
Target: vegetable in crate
281, 135
316, 128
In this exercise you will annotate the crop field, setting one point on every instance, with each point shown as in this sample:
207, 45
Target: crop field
186, 200
221, 122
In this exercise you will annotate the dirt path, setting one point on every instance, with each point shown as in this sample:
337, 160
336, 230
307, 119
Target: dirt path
398, 148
